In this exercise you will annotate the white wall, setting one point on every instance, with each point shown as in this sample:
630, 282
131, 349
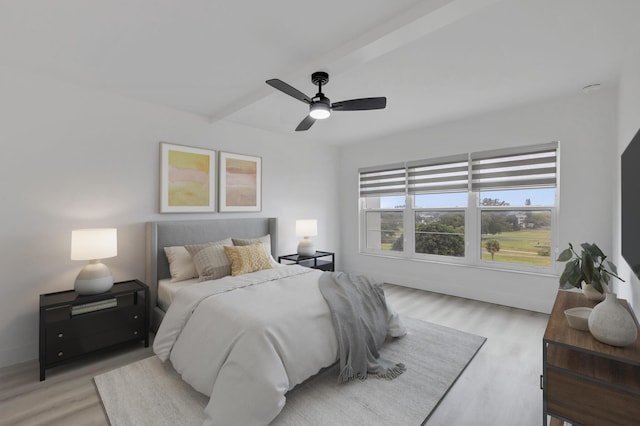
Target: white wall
585, 125
74, 158
628, 125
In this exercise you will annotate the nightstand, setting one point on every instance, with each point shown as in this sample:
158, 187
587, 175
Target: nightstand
73, 326
318, 261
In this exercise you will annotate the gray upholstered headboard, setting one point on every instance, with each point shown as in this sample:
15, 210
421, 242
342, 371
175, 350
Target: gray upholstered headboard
182, 232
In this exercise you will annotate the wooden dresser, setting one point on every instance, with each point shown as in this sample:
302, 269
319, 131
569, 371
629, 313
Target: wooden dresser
584, 381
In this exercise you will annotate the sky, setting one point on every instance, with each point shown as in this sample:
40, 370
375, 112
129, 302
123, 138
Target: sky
517, 197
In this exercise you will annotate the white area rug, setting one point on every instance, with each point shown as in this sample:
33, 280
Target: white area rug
149, 392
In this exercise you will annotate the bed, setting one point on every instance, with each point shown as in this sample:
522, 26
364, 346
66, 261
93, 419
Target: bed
243, 340
179, 233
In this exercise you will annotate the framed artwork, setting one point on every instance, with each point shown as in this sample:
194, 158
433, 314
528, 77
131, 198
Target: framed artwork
240, 183
187, 179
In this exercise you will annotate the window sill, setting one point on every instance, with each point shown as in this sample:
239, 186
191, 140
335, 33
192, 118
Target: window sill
546, 274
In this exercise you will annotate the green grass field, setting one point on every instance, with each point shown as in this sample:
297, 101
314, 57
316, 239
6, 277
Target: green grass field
521, 247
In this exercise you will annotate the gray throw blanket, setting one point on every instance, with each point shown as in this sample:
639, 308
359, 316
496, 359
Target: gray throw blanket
359, 313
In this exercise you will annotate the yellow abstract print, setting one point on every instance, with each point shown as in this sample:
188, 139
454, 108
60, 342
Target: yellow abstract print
189, 177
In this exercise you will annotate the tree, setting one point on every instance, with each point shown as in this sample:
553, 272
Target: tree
455, 220
492, 246
497, 222
398, 244
512, 221
438, 238
390, 225
493, 202
494, 223
540, 220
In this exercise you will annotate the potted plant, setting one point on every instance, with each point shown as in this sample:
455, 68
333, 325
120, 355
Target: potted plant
589, 267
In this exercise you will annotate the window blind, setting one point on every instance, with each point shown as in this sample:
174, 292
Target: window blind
448, 174
383, 180
512, 168
523, 167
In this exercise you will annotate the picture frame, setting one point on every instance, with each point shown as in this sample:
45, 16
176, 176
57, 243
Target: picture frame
188, 178
240, 181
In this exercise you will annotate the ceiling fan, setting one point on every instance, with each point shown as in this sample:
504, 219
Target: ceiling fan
320, 106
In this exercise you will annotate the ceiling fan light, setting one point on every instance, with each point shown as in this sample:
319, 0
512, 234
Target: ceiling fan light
319, 111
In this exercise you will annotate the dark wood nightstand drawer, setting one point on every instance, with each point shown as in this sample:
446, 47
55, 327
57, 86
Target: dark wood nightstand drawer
72, 326
72, 347
562, 400
94, 323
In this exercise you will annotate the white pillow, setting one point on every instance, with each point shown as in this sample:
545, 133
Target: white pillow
181, 265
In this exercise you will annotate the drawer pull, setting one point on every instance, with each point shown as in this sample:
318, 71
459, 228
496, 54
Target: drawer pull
60, 353
60, 335
135, 316
135, 333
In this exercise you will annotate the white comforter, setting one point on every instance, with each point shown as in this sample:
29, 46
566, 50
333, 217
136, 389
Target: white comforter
246, 340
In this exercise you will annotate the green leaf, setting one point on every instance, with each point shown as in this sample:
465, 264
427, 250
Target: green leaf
571, 276
564, 282
593, 250
564, 278
565, 255
575, 275
588, 269
612, 267
597, 252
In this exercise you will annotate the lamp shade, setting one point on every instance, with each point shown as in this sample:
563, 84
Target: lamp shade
93, 245
306, 228
90, 244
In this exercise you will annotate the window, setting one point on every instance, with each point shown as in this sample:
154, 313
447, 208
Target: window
440, 232
435, 187
516, 227
493, 208
382, 191
513, 185
384, 230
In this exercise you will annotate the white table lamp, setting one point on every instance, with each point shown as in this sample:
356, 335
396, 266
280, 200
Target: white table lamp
306, 228
93, 245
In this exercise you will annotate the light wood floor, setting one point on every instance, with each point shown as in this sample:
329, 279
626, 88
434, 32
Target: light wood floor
499, 387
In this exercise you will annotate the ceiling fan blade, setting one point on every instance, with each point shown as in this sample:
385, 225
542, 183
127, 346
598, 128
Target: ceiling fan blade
289, 90
306, 123
360, 104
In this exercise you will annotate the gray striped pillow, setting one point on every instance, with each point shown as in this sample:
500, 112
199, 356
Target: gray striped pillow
210, 259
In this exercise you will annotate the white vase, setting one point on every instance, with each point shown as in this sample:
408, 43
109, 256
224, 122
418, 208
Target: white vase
611, 323
593, 294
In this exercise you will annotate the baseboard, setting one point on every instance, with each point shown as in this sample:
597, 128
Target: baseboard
18, 354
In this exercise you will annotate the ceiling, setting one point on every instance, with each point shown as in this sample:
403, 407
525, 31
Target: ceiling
434, 60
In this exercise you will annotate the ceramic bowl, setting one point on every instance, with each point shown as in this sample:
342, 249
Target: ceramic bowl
578, 318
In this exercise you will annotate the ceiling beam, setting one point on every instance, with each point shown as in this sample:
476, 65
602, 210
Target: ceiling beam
416, 22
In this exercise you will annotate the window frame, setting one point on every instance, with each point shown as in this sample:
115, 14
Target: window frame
517, 266
439, 257
365, 231
472, 214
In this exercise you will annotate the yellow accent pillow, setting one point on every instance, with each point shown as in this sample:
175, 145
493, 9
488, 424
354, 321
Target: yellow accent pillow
245, 259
